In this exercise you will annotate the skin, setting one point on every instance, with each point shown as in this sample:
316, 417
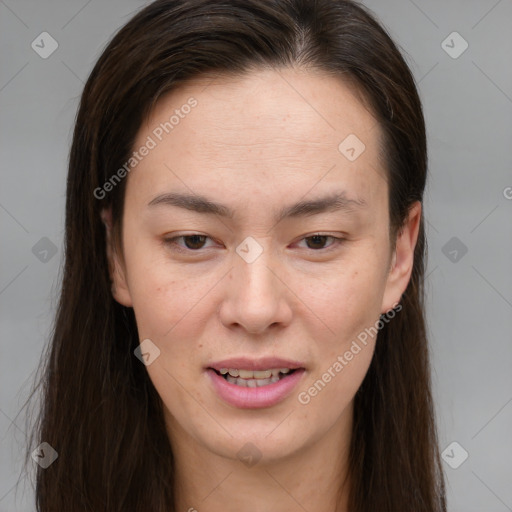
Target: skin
255, 144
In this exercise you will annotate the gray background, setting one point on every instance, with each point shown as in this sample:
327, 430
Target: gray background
468, 107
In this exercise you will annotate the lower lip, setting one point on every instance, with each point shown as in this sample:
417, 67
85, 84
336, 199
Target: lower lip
254, 398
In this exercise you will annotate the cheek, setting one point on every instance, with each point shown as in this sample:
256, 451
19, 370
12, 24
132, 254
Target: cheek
344, 354
344, 300
326, 399
172, 311
166, 297
173, 308
348, 303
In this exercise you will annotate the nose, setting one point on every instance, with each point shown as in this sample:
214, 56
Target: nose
257, 296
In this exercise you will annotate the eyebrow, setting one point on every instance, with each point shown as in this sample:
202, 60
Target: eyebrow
333, 202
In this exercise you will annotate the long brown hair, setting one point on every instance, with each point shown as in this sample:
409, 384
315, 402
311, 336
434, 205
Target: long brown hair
99, 409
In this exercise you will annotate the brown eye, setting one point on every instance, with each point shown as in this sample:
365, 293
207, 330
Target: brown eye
193, 243
317, 242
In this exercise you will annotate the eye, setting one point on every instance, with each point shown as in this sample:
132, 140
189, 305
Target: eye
318, 239
193, 242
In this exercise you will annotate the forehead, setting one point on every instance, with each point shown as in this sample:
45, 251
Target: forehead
288, 129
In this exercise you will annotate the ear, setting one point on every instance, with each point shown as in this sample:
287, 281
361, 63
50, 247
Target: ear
117, 271
402, 260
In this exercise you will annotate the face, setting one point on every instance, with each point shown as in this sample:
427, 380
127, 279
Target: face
256, 237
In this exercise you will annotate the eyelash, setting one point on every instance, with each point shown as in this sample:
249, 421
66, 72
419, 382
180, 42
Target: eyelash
172, 242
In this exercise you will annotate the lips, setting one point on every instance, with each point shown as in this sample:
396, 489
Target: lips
265, 363
245, 392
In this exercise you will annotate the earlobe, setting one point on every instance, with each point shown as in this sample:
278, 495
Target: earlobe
117, 273
403, 259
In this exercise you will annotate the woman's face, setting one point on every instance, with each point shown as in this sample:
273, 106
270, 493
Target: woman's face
256, 229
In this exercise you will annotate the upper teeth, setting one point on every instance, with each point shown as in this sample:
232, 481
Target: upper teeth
249, 374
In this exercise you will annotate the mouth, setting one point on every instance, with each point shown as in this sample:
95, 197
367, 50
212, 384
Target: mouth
254, 378
246, 383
